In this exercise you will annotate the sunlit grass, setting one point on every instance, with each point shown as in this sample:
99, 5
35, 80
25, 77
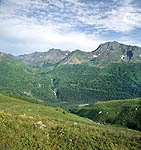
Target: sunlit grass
25, 125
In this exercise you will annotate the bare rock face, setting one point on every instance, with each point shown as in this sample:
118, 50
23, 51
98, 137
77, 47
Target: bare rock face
105, 54
114, 52
39, 59
115, 46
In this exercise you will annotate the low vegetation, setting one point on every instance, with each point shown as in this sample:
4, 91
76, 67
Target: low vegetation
26, 125
121, 112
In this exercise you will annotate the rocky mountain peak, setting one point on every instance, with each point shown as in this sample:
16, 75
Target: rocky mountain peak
114, 52
115, 46
46, 58
107, 46
106, 53
53, 50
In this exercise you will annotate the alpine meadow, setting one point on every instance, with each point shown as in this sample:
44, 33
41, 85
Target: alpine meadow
70, 75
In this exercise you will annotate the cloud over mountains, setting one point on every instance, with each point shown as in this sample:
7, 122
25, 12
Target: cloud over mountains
30, 25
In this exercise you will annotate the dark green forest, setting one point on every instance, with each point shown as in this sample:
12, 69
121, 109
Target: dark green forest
87, 84
70, 84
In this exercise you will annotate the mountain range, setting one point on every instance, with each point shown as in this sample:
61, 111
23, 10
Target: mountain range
112, 71
80, 82
107, 53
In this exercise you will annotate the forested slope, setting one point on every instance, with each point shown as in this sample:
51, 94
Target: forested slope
85, 84
23, 80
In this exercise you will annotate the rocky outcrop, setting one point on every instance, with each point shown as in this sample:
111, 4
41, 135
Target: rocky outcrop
39, 59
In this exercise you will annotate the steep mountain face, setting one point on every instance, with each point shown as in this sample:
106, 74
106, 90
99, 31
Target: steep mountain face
39, 59
114, 52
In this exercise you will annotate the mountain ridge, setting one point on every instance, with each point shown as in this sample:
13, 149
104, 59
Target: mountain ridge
114, 52
106, 53
38, 59
79, 78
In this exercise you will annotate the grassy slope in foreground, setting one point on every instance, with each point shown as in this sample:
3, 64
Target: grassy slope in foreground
25, 125
126, 113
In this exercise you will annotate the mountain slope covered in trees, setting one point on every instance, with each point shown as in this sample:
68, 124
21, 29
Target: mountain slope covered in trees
71, 78
21, 79
86, 84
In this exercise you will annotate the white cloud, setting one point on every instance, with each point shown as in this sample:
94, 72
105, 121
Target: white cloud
38, 37
63, 24
123, 19
120, 19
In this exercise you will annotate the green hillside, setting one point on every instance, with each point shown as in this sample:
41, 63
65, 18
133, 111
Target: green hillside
83, 83
23, 80
70, 84
25, 125
126, 113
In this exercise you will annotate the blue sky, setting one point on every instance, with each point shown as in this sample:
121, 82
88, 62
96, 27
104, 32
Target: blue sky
37, 25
